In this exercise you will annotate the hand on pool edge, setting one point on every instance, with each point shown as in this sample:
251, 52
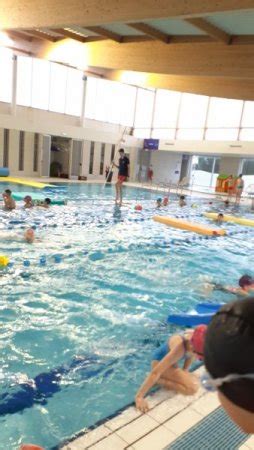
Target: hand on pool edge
141, 404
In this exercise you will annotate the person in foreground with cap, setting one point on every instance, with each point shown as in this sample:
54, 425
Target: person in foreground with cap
228, 357
165, 370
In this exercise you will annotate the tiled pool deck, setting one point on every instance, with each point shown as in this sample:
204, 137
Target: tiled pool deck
170, 416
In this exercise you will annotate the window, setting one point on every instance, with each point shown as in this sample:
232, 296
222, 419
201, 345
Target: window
205, 170
40, 83
248, 172
142, 133
57, 93
6, 64
91, 158
113, 150
248, 115
6, 148
166, 108
247, 134
194, 134
163, 133
144, 109
74, 92
221, 134
193, 111
224, 112
21, 150
102, 158
36, 151
24, 81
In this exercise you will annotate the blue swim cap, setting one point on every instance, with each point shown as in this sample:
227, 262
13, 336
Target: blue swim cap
159, 199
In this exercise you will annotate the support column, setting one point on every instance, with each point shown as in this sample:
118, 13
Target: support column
82, 115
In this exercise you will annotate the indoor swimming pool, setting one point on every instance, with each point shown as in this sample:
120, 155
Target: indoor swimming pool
83, 308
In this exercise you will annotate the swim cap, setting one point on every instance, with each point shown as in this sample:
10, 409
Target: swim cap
245, 280
229, 349
198, 340
159, 199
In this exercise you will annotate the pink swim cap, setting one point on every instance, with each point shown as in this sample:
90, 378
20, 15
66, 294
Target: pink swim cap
198, 340
30, 447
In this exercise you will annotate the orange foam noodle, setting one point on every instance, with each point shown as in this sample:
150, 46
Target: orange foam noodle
189, 226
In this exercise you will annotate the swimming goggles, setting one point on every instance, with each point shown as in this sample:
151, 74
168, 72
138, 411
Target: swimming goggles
212, 384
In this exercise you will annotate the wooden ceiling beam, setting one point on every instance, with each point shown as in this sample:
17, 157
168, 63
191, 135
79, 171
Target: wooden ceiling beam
150, 31
69, 34
60, 13
208, 59
106, 33
16, 35
42, 36
210, 29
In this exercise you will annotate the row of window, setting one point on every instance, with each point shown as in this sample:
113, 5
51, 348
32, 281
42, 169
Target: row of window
21, 155
156, 113
102, 157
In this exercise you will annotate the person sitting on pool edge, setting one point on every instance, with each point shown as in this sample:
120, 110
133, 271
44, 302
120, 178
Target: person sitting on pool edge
9, 202
228, 357
182, 201
165, 370
28, 201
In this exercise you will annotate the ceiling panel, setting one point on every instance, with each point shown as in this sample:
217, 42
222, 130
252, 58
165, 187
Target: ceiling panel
235, 22
122, 29
174, 27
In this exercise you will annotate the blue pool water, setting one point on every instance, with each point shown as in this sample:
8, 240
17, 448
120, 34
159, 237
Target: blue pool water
78, 331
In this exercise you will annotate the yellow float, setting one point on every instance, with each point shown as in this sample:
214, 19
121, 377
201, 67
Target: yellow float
4, 261
189, 226
234, 219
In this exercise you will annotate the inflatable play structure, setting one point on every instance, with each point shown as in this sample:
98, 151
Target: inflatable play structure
189, 226
222, 184
201, 314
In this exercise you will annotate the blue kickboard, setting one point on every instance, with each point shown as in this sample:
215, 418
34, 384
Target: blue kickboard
205, 308
190, 320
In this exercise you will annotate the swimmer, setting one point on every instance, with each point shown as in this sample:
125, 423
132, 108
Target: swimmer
220, 218
227, 203
29, 236
9, 202
45, 203
165, 370
165, 201
228, 357
246, 287
182, 201
159, 202
28, 201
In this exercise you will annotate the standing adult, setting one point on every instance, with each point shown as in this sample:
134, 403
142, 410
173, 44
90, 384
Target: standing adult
239, 188
123, 174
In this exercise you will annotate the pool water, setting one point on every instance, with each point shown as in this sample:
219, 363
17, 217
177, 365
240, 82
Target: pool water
84, 307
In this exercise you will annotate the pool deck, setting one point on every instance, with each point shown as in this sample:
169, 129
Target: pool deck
170, 416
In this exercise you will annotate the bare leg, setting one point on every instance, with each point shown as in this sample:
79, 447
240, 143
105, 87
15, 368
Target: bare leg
117, 191
120, 194
178, 380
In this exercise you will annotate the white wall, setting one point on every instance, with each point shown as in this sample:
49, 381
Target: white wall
166, 166
236, 148
1, 146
